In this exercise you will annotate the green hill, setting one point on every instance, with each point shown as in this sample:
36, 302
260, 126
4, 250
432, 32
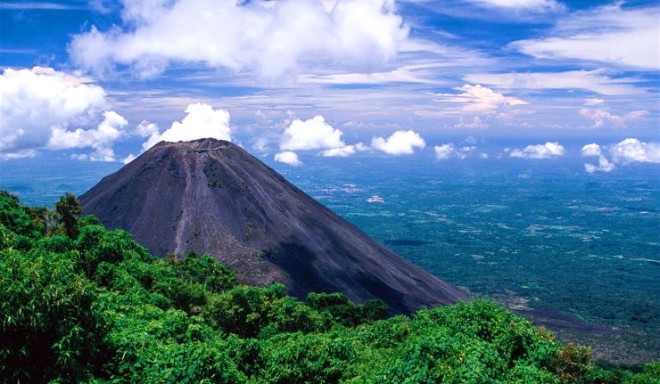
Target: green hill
79, 303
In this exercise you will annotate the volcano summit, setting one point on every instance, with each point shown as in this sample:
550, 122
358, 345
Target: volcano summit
213, 197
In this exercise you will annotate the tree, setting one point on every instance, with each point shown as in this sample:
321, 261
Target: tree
67, 208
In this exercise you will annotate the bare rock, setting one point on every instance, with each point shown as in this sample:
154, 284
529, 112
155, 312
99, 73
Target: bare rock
213, 197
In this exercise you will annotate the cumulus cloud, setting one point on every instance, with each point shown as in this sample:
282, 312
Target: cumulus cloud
475, 123
626, 36
339, 152
594, 149
313, 133
201, 121
146, 129
444, 151
288, 157
591, 150
480, 99
316, 133
449, 150
399, 143
627, 151
100, 139
539, 151
602, 117
632, 150
603, 165
39, 101
270, 37
128, 158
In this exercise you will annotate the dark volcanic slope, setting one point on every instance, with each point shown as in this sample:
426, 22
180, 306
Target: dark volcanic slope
212, 196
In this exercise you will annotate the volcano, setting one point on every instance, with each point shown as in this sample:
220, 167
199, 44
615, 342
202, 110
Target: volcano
213, 197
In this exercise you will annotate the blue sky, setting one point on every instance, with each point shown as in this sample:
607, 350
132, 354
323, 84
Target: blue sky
103, 80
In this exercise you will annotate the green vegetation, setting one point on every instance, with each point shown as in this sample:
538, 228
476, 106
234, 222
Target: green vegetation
79, 303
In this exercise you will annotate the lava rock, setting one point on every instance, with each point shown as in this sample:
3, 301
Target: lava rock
211, 196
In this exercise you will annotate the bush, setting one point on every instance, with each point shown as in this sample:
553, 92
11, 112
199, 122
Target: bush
99, 308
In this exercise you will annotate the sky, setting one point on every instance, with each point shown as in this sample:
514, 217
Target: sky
105, 80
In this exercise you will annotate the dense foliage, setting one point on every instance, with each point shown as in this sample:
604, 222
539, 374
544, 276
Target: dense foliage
81, 303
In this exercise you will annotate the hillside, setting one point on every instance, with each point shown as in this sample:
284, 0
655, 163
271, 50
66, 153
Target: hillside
79, 303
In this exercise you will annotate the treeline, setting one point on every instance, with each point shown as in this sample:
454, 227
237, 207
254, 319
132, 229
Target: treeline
79, 303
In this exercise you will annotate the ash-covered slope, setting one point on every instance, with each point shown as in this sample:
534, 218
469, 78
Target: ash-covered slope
213, 197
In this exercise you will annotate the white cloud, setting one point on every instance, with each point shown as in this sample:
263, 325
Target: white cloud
593, 101
32, 5
636, 114
201, 121
37, 102
44, 108
477, 98
463, 152
288, 157
611, 34
405, 74
601, 117
313, 133
475, 123
603, 165
632, 150
361, 147
20, 154
146, 129
627, 151
128, 158
446, 151
539, 151
533, 5
272, 38
339, 152
471, 140
261, 144
100, 139
592, 149
596, 81
399, 143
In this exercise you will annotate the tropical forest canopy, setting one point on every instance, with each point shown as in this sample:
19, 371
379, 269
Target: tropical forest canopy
79, 303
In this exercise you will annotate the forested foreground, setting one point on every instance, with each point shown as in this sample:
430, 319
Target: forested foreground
79, 303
